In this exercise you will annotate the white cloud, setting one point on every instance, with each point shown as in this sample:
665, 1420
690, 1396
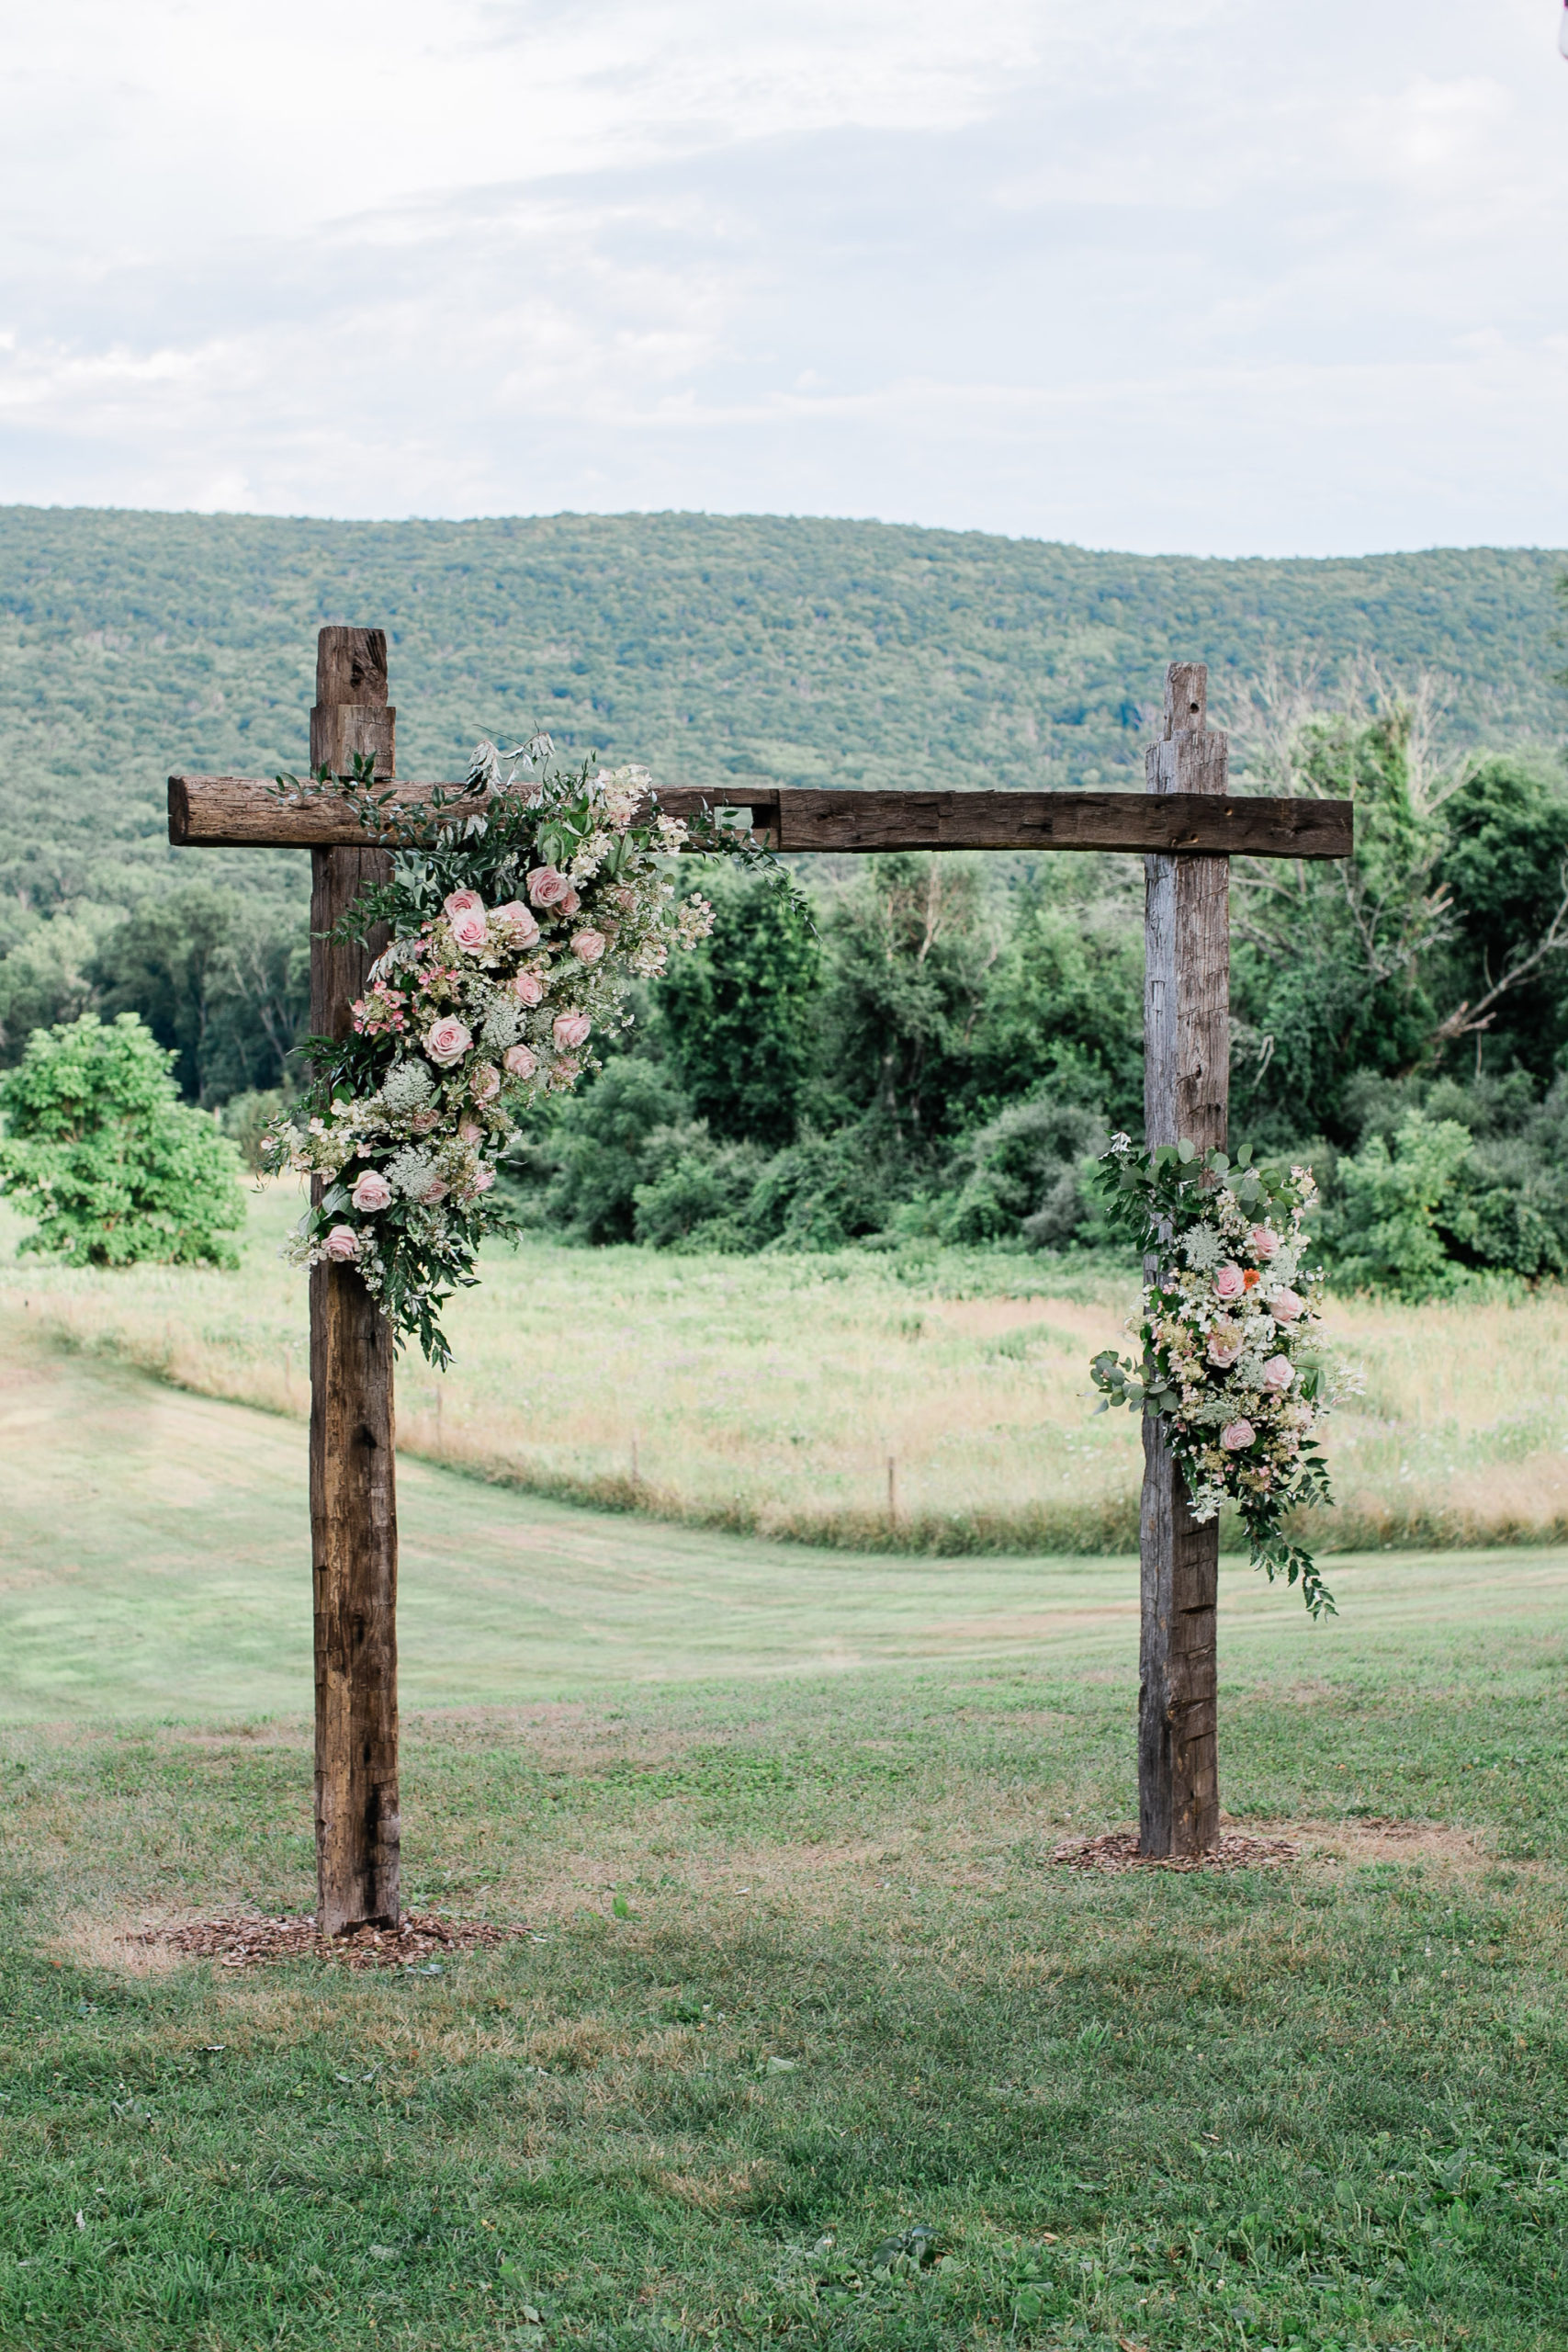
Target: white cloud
1164, 272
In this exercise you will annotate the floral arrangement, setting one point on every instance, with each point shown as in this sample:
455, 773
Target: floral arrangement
1227, 1357
522, 909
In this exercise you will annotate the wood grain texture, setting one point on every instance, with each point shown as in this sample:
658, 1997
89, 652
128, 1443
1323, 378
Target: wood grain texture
1186, 1092
354, 1527
225, 812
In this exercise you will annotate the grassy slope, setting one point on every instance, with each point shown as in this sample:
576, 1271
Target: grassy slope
1316, 2109
713, 647
767, 1395
154, 1564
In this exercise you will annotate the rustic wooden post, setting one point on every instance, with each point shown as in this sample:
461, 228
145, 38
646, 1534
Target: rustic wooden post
1186, 1092
354, 1526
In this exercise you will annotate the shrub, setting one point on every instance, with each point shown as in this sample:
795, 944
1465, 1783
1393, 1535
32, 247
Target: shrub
102, 1151
600, 1148
1022, 1175
698, 1196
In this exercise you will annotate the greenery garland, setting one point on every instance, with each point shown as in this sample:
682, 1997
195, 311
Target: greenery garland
522, 909
1225, 1356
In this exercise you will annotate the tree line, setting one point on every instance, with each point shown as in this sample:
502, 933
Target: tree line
938, 1053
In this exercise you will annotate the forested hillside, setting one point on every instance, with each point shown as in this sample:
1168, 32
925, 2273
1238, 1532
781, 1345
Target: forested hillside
938, 1053
713, 648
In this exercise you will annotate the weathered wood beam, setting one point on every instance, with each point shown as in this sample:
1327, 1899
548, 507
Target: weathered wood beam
246, 812
353, 1523
1186, 1092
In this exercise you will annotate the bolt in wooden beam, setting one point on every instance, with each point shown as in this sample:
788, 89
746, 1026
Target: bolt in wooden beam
353, 1525
1186, 1092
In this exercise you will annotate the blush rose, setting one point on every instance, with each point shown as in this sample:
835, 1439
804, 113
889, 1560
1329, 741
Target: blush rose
1224, 1346
486, 1084
570, 1030
342, 1243
461, 902
1279, 1372
1263, 1241
528, 987
588, 945
372, 1191
447, 1040
516, 919
1229, 1283
470, 929
520, 1062
1236, 1436
547, 888
1284, 1306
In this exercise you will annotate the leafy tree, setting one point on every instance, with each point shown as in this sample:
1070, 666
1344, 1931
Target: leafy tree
102, 1151
1505, 868
1331, 970
598, 1148
738, 1013
909, 952
223, 983
1064, 1006
45, 975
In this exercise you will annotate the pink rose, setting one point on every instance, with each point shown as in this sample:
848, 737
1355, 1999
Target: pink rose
462, 902
372, 1191
570, 1031
588, 945
469, 929
1229, 1283
470, 1132
528, 987
423, 1121
1224, 1345
436, 1190
1236, 1436
1263, 1241
571, 903
342, 1243
546, 887
516, 919
565, 1073
447, 1040
1279, 1372
1285, 1305
486, 1084
520, 1062
483, 1180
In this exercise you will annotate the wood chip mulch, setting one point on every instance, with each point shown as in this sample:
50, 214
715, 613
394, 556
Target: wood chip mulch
1117, 1850
253, 1941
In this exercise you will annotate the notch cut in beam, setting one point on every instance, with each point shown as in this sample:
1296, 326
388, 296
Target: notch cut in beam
247, 812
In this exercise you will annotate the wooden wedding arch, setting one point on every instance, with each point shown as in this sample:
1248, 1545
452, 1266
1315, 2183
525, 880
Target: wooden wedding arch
1187, 829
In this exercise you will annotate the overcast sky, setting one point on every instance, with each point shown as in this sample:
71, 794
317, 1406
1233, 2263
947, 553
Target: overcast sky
1284, 277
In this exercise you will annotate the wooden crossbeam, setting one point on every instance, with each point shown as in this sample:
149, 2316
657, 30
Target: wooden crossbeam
247, 812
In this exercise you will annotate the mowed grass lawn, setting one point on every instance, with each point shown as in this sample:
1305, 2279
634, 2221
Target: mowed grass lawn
801, 1975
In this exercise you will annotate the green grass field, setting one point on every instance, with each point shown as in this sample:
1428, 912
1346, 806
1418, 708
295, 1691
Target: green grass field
768, 1396
801, 1977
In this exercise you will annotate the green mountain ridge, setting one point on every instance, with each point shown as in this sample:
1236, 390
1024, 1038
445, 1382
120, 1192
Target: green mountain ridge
713, 648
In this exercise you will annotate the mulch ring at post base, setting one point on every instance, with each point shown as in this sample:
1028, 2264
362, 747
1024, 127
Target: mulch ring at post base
1117, 1850
420, 1941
